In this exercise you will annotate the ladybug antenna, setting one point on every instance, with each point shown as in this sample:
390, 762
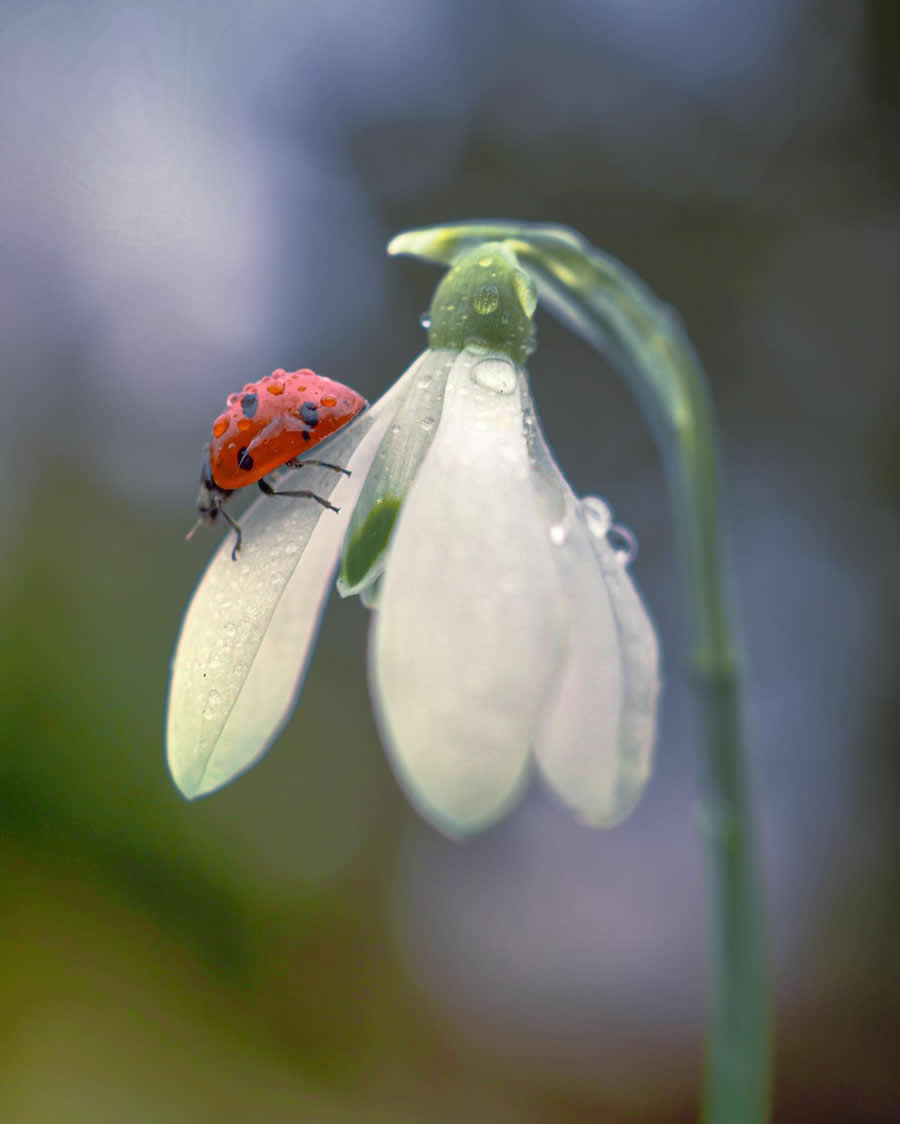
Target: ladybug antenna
190, 533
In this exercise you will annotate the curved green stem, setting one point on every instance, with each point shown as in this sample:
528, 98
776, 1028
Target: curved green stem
609, 307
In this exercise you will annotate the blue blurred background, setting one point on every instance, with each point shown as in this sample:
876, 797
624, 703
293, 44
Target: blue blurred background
193, 194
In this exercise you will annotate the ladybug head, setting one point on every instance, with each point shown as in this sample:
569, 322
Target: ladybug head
210, 497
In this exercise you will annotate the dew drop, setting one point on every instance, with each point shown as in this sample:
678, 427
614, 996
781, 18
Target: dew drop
558, 534
496, 374
213, 699
425, 321
486, 300
597, 516
428, 423
623, 543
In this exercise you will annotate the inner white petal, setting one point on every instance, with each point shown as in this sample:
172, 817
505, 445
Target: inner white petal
470, 626
402, 449
249, 629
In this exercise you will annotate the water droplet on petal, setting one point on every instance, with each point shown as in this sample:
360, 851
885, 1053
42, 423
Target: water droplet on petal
428, 422
558, 534
496, 374
623, 542
597, 516
213, 701
425, 320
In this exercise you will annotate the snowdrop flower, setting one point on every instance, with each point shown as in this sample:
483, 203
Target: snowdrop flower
506, 628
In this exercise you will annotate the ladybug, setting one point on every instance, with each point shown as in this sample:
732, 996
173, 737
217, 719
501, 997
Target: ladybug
269, 425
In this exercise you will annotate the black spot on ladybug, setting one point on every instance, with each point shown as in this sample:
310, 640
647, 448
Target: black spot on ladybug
245, 461
249, 404
306, 436
309, 412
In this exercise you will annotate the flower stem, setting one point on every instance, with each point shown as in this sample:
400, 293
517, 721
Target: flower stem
610, 308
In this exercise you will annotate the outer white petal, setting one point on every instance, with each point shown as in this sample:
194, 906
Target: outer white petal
596, 737
470, 625
639, 650
249, 630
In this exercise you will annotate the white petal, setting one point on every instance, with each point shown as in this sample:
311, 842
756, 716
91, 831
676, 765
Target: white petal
370, 594
643, 680
249, 630
402, 450
596, 737
469, 629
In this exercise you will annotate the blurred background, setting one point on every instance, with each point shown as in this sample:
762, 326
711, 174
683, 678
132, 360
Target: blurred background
193, 194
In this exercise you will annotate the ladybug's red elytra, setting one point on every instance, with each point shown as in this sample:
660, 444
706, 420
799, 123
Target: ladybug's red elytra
270, 424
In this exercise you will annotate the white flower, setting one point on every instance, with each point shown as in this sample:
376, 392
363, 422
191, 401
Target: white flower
507, 627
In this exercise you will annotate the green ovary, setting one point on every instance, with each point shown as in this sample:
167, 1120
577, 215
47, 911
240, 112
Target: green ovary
485, 300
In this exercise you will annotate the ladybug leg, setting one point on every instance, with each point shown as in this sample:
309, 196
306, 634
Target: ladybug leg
299, 462
236, 527
268, 490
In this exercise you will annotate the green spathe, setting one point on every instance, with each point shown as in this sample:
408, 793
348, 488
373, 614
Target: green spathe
370, 541
485, 300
